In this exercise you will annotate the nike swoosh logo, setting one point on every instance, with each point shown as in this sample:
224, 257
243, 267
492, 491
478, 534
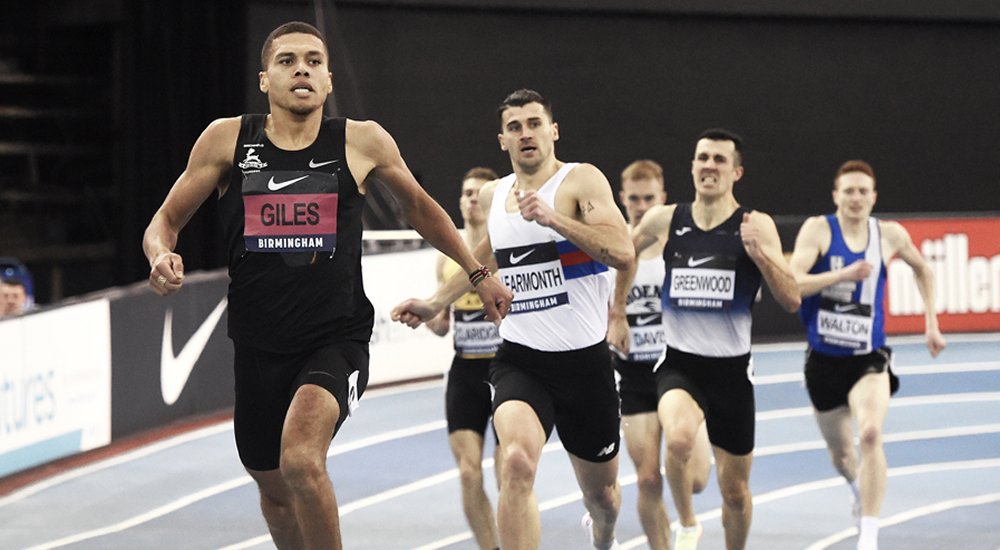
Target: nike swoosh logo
175, 370
278, 186
472, 316
695, 263
514, 260
314, 164
640, 321
840, 308
682, 231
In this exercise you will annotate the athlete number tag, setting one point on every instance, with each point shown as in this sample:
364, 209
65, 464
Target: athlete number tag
701, 288
844, 329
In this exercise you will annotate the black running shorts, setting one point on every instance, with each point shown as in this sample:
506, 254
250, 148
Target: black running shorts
829, 378
468, 403
573, 391
723, 389
266, 383
636, 386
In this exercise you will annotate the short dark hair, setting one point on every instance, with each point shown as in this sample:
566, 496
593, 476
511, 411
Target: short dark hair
721, 134
13, 280
854, 166
481, 173
522, 97
291, 27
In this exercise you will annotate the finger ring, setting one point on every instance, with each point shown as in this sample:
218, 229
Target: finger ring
161, 280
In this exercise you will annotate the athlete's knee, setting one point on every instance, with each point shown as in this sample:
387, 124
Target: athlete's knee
276, 502
736, 496
470, 472
680, 444
300, 470
519, 467
604, 497
277, 510
735, 493
649, 481
842, 456
869, 436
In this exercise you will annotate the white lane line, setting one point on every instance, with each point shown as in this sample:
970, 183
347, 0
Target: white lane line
143, 518
948, 368
165, 444
896, 402
123, 458
913, 370
838, 481
917, 435
910, 340
908, 515
394, 493
387, 436
339, 449
447, 475
780, 493
228, 486
162, 445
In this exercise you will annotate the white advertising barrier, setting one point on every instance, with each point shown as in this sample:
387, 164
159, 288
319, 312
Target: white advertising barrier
397, 351
55, 384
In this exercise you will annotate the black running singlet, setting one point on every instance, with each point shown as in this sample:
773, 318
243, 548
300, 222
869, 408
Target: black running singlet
292, 225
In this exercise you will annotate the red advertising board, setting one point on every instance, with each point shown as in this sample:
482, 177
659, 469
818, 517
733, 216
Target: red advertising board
964, 254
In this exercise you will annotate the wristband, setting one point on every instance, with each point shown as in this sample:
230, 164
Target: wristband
479, 275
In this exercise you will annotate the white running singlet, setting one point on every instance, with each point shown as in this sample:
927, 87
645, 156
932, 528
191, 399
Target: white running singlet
560, 293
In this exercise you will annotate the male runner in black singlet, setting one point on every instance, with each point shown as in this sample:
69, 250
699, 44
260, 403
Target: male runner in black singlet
716, 254
291, 193
635, 331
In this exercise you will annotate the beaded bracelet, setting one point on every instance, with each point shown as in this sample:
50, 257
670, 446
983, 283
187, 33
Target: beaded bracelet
479, 275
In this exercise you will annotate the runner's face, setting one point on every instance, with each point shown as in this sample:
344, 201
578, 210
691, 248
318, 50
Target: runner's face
854, 195
639, 195
528, 135
297, 77
469, 201
714, 167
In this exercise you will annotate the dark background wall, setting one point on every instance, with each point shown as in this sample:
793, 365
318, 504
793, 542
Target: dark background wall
911, 96
910, 86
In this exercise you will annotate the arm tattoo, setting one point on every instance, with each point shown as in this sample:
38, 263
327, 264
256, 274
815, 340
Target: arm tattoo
586, 209
605, 255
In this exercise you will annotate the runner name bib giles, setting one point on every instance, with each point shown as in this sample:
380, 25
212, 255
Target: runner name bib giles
290, 211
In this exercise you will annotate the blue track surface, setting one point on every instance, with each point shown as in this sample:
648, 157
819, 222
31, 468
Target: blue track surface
397, 486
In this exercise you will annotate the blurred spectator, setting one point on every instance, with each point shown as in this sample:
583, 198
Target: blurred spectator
11, 269
13, 297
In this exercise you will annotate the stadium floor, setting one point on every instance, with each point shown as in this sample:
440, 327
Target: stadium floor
398, 488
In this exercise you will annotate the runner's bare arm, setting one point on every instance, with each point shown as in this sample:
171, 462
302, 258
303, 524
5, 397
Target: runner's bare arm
440, 323
450, 290
209, 163
654, 223
763, 245
595, 225
618, 333
901, 245
811, 243
414, 311
371, 146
